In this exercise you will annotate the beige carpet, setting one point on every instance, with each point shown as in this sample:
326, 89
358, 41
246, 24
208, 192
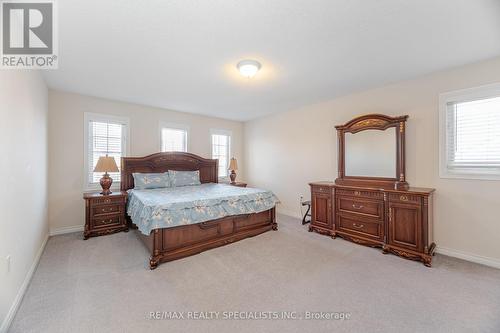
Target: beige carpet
104, 285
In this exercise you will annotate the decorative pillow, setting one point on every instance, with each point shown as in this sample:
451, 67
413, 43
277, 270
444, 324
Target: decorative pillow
143, 181
184, 178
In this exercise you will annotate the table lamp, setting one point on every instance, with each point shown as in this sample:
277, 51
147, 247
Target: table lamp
106, 164
233, 166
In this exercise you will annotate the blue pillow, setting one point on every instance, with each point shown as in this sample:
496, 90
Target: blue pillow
184, 178
144, 181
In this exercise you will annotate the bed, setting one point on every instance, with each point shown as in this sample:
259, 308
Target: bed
175, 222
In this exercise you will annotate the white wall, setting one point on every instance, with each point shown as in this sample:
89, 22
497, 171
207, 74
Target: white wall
23, 194
286, 151
66, 141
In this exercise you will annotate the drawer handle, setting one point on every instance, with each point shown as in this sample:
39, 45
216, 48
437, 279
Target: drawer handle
357, 207
205, 225
359, 226
107, 221
357, 193
403, 198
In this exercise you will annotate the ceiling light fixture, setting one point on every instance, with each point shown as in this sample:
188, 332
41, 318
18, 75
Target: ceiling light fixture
248, 68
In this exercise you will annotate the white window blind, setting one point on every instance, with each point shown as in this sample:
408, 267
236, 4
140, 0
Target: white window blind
473, 135
105, 136
221, 147
174, 139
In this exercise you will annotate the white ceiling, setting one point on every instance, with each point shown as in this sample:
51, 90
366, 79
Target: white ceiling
181, 54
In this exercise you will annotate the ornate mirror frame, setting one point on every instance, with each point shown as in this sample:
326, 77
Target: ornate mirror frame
377, 122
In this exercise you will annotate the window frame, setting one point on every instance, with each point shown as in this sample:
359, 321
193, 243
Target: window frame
228, 133
175, 126
105, 118
461, 96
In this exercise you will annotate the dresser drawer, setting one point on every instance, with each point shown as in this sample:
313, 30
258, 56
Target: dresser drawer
105, 221
321, 189
362, 228
405, 198
105, 209
360, 193
370, 208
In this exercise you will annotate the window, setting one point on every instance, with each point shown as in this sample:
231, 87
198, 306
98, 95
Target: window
221, 150
173, 137
104, 135
470, 133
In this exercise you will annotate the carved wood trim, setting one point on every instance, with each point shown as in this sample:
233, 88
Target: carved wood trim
322, 231
426, 259
360, 193
372, 121
359, 240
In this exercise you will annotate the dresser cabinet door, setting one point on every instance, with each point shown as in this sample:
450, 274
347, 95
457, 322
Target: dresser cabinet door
405, 226
322, 210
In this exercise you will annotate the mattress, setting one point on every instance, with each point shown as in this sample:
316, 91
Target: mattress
176, 206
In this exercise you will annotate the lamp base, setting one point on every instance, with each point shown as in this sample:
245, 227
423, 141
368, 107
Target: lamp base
106, 182
232, 175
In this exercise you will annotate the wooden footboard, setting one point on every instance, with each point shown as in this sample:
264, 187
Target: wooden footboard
168, 244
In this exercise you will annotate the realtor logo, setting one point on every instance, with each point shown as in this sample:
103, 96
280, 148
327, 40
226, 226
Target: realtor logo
28, 34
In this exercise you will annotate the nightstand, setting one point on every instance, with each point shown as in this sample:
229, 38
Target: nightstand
239, 184
104, 214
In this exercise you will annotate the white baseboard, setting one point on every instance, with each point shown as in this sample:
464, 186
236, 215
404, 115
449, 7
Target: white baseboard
20, 294
65, 230
487, 261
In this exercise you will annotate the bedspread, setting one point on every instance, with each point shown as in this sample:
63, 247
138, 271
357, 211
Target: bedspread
170, 207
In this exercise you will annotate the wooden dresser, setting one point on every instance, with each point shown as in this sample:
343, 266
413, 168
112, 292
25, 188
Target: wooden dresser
398, 221
104, 214
370, 202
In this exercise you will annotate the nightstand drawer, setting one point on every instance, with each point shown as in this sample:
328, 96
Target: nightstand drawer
109, 220
108, 200
108, 209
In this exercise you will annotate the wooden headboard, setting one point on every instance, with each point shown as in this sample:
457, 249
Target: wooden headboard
162, 162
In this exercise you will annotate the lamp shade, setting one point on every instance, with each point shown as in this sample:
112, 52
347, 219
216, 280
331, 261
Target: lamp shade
233, 165
106, 164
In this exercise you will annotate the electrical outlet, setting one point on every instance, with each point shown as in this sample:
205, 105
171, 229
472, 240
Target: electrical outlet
7, 263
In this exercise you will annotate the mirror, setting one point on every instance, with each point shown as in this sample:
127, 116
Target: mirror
371, 153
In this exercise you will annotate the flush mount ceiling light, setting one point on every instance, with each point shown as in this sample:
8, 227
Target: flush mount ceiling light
248, 68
